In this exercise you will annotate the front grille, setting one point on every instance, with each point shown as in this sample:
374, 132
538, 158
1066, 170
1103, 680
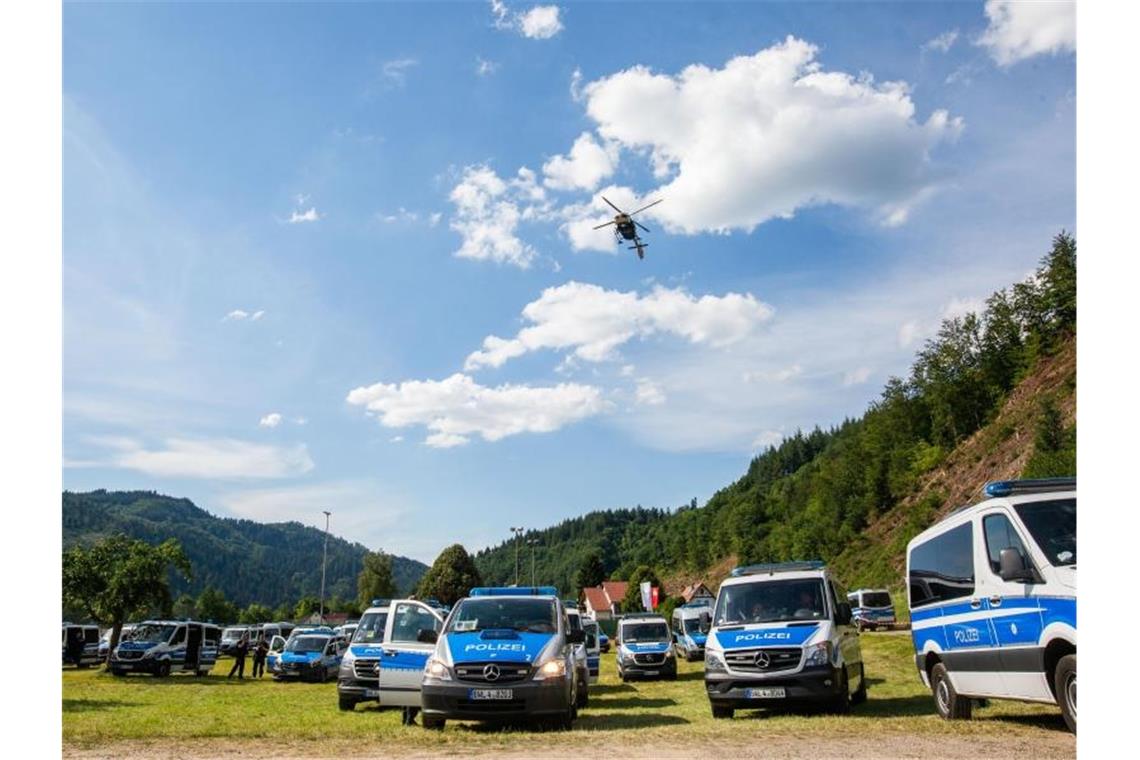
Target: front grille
509, 672
130, 654
653, 658
366, 669
779, 658
489, 706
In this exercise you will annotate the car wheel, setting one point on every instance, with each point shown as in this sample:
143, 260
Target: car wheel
583, 696
433, 723
346, 703
860, 695
949, 704
1065, 683
163, 670
719, 712
842, 701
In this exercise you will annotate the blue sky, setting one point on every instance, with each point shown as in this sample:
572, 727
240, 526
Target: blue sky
303, 270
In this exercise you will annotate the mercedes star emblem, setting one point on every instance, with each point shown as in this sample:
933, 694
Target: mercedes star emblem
491, 672
762, 660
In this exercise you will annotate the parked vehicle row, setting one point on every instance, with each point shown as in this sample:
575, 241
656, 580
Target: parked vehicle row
162, 647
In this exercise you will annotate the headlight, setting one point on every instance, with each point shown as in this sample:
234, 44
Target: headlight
820, 654
551, 669
436, 668
669, 652
713, 662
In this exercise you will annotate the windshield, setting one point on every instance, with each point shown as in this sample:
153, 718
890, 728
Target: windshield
692, 625
876, 599
152, 633
575, 622
307, 644
770, 602
591, 630
532, 615
644, 632
1053, 525
371, 628
232, 634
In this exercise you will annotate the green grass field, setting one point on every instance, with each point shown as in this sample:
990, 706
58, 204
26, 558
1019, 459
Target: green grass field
99, 709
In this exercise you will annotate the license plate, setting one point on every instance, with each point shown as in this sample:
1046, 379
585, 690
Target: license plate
371, 693
772, 692
652, 672
490, 693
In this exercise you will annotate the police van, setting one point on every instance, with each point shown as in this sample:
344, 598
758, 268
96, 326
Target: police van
779, 634
162, 647
359, 676
871, 608
688, 638
591, 631
505, 653
80, 645
308, 657
992, 590
645, 647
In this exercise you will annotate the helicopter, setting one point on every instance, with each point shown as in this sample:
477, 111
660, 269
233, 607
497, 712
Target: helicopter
624, 226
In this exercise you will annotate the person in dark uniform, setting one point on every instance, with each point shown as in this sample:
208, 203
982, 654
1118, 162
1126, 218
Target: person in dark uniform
239, 657
259, 654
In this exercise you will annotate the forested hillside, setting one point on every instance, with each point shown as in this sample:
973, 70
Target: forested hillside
273, 564
992, 395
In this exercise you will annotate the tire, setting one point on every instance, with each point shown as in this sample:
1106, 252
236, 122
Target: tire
949, 705
719, 712
583, 696
860, 695
432, 723
202, 673
841, 703
348, 704
1065, 684
162, 670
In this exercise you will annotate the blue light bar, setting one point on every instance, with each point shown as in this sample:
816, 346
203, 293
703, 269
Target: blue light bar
777, 567
381, 602
514, 591
997, 488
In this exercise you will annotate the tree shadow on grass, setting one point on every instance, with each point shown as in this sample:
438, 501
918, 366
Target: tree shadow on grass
1044, 721
89, 705
894, 707
692, 675
585, 722
606, 704
611, 689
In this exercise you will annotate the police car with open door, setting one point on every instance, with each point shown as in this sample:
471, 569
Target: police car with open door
80, 645
591, 630
504, 654
410, 632
993, 599
779, 634
162, 647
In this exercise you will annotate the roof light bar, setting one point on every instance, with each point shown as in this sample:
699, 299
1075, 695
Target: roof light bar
1014, 487
777, 567
514, 591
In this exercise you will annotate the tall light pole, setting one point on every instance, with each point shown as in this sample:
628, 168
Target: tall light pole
518, 534
532, 542
324, 562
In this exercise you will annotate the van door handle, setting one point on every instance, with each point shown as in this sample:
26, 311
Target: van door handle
995, 601
975, 604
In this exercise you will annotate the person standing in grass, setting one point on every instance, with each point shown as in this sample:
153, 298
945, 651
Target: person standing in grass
239, 657
259, 654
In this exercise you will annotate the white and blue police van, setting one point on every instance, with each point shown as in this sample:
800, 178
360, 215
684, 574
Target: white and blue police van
162, 647
871, 608
992, 590
645, 647
591, 630
505, 654
779, 635
80, 645
359, 677
688, 636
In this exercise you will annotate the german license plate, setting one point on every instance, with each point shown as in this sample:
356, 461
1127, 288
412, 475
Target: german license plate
652, 672
371, 693
490, 693
771, 692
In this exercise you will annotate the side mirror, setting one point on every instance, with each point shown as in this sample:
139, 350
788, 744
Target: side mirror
706, 622
1014, 567
843, 613
575, 637
427, 636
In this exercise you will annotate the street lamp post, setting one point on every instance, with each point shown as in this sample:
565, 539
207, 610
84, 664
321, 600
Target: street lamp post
518, 534
532, 543
324, 563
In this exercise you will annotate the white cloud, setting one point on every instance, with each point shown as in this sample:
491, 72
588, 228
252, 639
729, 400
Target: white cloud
588, 164
856, 376
767, 438
488, 214
769, 134
220, 458
238, 315
592, 322
1020, 30
780, 375
402, 215
396, 439
271, 420
456, 408
540, 23
395, 72
501, 13
434, 219
648, 393
485, 68
576, 85
299, 217
943, 42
